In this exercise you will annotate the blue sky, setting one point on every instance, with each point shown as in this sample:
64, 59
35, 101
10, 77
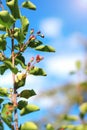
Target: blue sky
64, 24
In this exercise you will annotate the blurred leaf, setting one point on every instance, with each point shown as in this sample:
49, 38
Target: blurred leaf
19, 35
83, 108
6, 114
20, 83
45, 48
28, 109
28, 5
27, 93
68, 127
81, 115
78, 65
9, 64
34, 43
37, 71
20, 60
3, 92
49, 127
6, 19
25, 24
13, 6
70, 117
1, 100
2, 43
2, 28
22, 104
3, 68
29, 126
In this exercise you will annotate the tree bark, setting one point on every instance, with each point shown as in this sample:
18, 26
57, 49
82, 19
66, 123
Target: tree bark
14, 87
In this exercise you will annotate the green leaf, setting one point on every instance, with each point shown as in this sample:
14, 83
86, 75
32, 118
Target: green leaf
1, 100
45, 48
3, 68
13, 6
25, 24
2, 28
70, 117
83, 108
19, 35
78, 65
9, 64
81, 127
49, 127
28, 109
34, 43
28, 5
6, 114
29, 126
20, 80
2, 43
37, 71
3, 92
81, 115
20, 60
68, 127
22, 104
6, 19
27, 93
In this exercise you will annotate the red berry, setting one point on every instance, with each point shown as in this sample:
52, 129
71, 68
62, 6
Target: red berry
32, 37
39, 58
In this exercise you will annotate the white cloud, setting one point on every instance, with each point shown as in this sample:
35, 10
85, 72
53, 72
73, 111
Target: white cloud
6, 80
62, 65
35, 82
51, 27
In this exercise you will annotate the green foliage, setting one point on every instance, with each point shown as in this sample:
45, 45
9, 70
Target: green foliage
29, 5
25, 24
29, 126
49, 127
20, 80
6, 114
37, 71
2, 43
6, 19
3, 68
78, 65
15, 58
22, 104
83, 108
13, 5
34, 43
45, 48
27, 93
10, 66
3, 92
70, 117
20, 60
28, 109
